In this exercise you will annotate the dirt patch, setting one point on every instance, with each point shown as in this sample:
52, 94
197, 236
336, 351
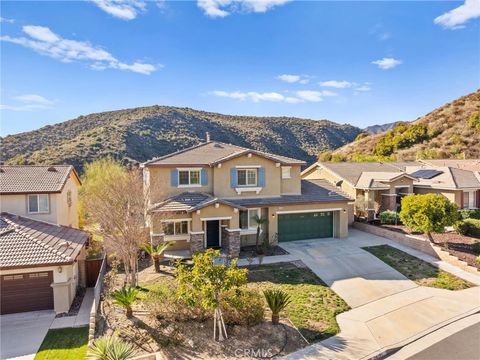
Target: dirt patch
251, 252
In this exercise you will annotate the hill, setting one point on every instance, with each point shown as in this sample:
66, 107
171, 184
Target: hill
377, 129
451, 131
139, 134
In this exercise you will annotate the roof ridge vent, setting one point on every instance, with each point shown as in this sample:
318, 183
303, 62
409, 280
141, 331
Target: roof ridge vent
52, 169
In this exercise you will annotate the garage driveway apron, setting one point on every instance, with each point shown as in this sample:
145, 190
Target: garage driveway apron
23, 333
354, 274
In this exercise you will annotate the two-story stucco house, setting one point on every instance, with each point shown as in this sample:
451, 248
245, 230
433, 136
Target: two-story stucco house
46, 193
42, 254
208, 196
378, 186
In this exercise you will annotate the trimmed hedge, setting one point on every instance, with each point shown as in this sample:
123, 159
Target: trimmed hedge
469, 214
469, 227
389, 217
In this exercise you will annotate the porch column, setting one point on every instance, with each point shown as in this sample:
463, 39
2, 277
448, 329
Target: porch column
231, 242
369, 203
196, 241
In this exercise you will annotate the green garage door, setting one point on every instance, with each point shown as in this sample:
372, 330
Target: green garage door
305, 226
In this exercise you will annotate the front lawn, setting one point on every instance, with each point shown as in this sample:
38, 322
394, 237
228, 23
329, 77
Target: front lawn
314, 305
415, 269
64, 344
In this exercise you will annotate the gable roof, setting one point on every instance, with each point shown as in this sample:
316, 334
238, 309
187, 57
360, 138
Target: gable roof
29, 179
449, 178
472, 164
189, 202
377, 179
26, 242
213, 152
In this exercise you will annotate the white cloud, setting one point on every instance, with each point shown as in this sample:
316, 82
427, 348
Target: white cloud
387, 63
293, 79
363, 88
29, 102
122, 9
222, 8
33, 99
5, 20
456, 18
300, 96
46, 42
336, 84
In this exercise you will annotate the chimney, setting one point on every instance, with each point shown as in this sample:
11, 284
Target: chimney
207, 136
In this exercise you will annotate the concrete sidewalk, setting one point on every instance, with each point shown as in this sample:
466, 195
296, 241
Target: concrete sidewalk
81, 319
388, 310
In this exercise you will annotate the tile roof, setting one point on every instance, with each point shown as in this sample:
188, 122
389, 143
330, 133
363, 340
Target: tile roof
21, 179
450, 178
188, 202
211, 153
313, 191
26, 242
353, 171
377, 179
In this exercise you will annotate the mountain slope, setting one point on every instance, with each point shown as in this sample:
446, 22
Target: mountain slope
377, 129
139, 134
447, 132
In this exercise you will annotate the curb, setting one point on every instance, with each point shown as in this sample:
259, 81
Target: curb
386, 351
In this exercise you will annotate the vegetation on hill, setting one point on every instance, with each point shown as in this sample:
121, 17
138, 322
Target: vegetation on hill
451, 131
139, 134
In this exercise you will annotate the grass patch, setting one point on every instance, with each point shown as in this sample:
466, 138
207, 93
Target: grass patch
314, 305
415, 269
64, 344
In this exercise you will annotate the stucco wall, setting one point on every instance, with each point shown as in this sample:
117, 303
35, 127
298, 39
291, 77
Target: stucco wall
68, 215
454, 196
221, 182
17, 204
161, 185
403, 181
213, 212
292, 185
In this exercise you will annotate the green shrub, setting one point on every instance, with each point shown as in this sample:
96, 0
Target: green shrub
478, 260
242, 307
469, 227
476, 248
110, 348
389, 217
474, 121
469, 214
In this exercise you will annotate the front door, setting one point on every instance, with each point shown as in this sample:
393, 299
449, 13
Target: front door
213, 234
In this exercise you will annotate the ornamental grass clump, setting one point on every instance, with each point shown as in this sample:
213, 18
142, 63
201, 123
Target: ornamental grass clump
110, 348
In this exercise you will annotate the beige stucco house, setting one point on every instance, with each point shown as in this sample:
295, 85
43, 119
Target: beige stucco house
208, 196
46, 193
378, 186
42, 255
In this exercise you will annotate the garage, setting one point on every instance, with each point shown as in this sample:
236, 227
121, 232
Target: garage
302, 226
26, 292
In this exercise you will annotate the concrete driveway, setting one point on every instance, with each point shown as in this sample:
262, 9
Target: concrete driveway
354, 274
23, 333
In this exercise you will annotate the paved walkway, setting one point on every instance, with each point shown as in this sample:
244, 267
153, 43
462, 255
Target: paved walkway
388, 310
23, 333
81, 319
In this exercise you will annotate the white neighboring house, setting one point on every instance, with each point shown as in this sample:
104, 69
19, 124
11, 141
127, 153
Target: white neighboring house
42, 254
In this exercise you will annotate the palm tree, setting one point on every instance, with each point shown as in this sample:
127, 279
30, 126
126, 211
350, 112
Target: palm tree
110, 348
277, 301
260, 221
155, 252
125, 297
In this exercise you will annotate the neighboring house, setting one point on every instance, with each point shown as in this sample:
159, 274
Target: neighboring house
46, 193
471, 165
208, 195
40, 264
380, 186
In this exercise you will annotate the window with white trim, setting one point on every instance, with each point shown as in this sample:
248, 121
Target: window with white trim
247, 177
286, 172
469, 199
247, 218
38, 203
188, 177
175, 228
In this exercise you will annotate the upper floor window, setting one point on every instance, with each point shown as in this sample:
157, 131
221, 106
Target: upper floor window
189, 177
38, 203
247, 177
286, 172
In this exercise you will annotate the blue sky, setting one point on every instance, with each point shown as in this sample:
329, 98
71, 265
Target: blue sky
361, 63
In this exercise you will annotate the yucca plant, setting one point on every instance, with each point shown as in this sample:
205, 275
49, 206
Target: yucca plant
277, 301
156, 252
125, 297
110, 348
